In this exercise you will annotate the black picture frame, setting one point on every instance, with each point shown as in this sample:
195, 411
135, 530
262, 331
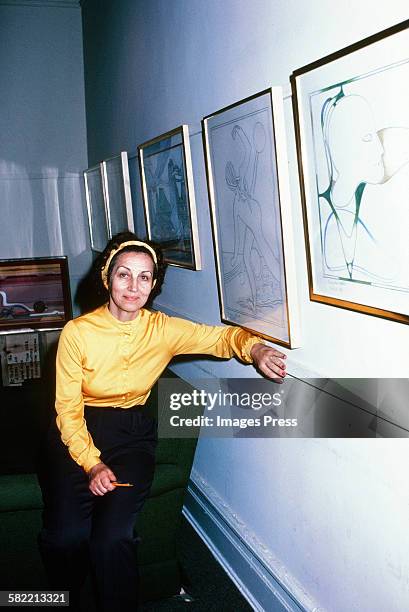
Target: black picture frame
34, 293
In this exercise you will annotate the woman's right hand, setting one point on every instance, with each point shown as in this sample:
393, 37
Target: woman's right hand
100, 479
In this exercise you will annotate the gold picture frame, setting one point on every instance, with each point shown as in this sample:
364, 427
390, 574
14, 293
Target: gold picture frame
351, 113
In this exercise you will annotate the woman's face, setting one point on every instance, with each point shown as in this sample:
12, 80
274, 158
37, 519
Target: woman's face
130, 285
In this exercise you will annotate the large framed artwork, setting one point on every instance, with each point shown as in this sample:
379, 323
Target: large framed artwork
168, 195
96, 207
351, 113
246, 160
34, 293
117, 191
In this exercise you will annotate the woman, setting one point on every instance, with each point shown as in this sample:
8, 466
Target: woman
107, 363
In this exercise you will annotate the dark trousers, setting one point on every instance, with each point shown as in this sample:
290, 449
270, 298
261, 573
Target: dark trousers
83, 532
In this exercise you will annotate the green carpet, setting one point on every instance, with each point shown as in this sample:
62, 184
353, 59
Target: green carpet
206, 581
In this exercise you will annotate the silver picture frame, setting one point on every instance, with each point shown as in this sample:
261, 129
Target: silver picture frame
117, 192
109, 200
248, 185
98, 220
168, 197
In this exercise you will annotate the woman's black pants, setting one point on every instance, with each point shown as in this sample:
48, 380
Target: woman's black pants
82, 531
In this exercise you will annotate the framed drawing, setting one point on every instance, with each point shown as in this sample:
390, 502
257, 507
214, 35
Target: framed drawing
249, 198
117, 193
351, 112
97, 212
168, 196
34, 293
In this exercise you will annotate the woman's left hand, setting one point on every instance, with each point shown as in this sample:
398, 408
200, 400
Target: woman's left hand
269, 361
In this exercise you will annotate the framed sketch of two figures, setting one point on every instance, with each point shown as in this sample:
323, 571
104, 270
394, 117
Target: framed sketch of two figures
249, 195
352, 125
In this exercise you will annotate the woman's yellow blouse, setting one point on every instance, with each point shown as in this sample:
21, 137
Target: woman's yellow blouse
105, 362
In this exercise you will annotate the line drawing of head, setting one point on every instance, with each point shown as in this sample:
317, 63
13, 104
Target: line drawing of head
353, 148
357, 154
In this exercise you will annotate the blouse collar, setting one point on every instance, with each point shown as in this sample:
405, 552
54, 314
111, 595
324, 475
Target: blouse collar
121, 324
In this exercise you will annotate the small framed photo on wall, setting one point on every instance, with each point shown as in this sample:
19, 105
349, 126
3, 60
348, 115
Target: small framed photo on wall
168, 196
247, 173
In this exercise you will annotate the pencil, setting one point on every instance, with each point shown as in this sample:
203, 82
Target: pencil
122, 484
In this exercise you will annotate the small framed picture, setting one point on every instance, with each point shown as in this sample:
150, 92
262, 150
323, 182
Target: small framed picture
168, 196
351, 112
34, 293
247, 173
98, 218
117, 191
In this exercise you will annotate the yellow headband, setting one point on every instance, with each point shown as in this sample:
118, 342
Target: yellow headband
104, 271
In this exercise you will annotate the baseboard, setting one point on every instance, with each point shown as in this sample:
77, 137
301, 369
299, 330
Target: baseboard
251, 576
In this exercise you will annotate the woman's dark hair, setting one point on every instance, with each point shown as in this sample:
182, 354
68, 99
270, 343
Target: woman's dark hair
99, 294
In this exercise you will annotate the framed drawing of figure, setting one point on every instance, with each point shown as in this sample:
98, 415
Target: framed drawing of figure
168, 196
351, 112
249, 197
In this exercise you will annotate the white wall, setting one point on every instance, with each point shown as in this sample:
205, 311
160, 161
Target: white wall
43, 135
328, 516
